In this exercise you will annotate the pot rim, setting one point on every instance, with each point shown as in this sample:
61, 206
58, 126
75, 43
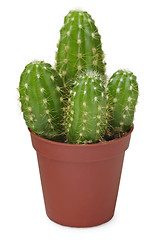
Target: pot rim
81, 145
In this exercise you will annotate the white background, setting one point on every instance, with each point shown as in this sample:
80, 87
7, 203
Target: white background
30, 30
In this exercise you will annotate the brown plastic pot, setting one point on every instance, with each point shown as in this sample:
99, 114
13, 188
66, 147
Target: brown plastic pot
80, 182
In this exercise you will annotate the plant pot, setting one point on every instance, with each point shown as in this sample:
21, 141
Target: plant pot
80, 182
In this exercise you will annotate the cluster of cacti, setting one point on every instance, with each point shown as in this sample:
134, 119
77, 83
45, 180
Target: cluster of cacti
90, 108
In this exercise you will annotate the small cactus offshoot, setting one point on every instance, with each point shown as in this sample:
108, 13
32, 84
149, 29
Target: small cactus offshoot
41, 99
86, 116
79, 47
122, 89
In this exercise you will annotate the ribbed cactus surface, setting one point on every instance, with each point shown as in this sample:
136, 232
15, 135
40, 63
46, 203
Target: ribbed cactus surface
75, 100
79, 47
122, 90
41, 100
86, 116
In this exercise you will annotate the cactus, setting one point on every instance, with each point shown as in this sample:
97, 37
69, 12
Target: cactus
79, 48
86, 117
94, 110
41, 100
122, 90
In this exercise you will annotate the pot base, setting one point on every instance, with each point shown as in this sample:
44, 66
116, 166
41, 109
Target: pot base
66, 224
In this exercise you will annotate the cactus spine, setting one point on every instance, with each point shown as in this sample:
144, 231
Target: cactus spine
123, 93
41, 100
86, 111
79, 48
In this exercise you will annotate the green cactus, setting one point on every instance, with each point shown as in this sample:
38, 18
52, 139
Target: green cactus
79, 48
41, 100
86, 116
122, 90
